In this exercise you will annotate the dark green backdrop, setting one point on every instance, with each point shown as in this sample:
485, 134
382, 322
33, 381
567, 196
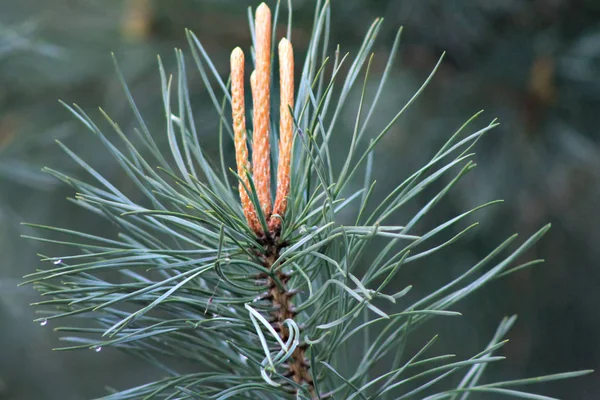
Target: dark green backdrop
533, 64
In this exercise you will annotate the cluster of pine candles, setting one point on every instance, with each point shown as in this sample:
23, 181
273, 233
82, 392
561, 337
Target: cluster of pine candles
266, 223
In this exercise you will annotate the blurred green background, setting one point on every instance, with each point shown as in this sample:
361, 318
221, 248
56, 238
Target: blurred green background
533, 64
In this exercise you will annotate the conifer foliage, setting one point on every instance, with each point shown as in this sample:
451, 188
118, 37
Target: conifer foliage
270, 300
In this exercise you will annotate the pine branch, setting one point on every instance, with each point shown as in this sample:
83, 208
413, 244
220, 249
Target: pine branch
279, 302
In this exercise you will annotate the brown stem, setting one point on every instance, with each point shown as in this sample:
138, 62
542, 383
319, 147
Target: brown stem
298, 365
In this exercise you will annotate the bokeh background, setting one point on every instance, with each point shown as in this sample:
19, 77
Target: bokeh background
533, 64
